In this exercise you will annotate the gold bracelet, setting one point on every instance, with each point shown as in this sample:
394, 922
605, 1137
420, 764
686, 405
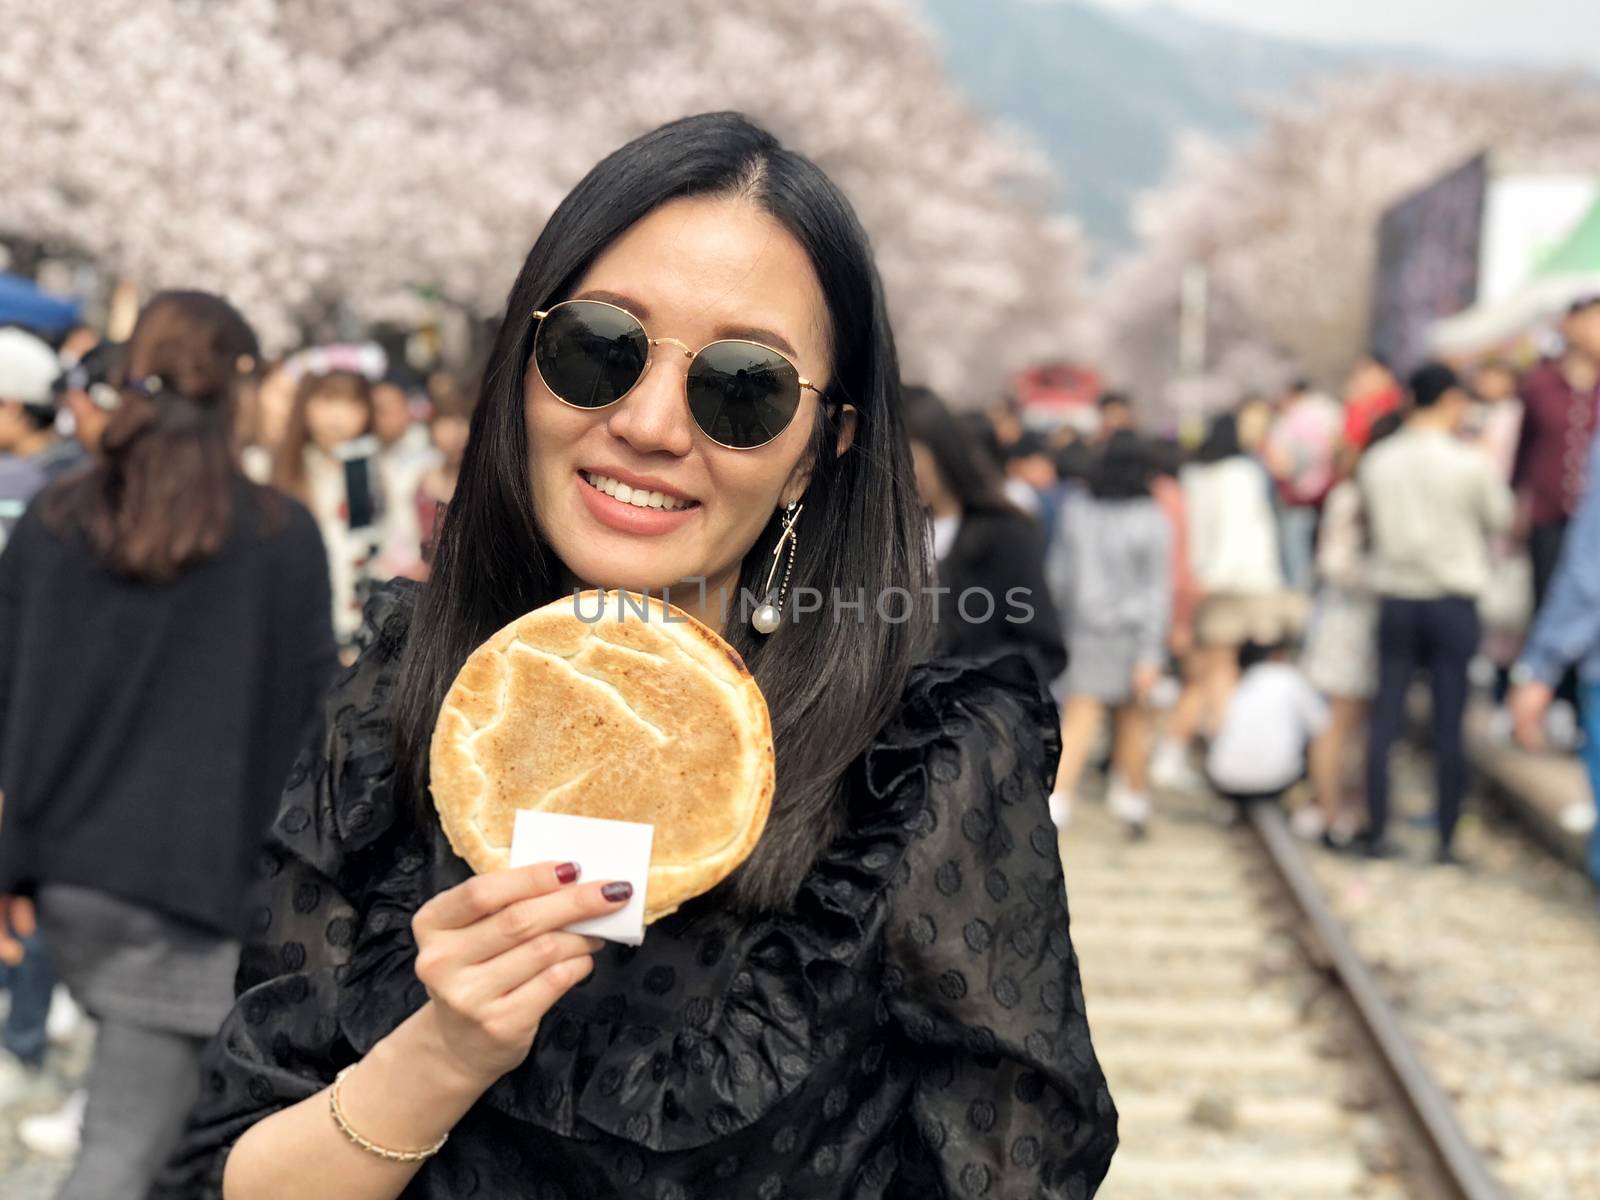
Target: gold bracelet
397, 1156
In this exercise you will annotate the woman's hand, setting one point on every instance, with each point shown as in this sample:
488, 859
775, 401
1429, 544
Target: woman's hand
494, 959
16, 922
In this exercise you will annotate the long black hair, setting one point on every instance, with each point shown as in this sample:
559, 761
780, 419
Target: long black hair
1221, 440
1123, 469
968, 473
831, 681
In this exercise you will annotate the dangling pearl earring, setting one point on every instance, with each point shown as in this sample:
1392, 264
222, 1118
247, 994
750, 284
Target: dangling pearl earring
767, 618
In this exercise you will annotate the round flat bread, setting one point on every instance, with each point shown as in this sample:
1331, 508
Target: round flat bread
643, 715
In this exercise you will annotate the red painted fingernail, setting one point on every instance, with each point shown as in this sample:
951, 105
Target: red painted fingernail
566, 872
617, 892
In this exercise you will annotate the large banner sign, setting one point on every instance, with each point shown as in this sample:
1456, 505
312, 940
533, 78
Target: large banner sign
1427, 267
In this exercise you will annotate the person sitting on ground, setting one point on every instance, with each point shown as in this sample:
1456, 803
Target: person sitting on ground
1267, 727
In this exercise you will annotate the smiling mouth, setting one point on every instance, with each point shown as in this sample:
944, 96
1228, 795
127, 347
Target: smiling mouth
638, 497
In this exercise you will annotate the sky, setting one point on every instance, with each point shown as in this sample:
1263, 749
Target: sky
1537, 32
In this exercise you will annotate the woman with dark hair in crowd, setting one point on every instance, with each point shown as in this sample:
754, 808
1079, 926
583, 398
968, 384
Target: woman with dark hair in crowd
695, 363
1341, 650
331, 411
1110, 570
988, 556
164, 640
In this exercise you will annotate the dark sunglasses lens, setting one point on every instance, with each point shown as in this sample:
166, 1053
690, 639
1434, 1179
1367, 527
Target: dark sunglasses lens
741, 394
589, 354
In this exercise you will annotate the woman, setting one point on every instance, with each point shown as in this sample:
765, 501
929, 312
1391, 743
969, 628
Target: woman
331, 412
405, 455
266, 402
1341, 651
883, 1001
1111, 571
448, 430
164, 640
988, 556
1233, 553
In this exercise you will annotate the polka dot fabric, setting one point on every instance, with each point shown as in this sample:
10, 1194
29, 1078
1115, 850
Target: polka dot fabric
914, 1028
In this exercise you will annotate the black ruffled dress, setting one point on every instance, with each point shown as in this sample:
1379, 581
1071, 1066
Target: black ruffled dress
914, 1029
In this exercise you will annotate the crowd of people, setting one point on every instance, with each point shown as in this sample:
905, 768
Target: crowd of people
195, 538
298, 988
1255, 610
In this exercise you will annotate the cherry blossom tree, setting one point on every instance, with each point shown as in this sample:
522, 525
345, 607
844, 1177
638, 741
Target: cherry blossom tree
314, 157
1286, 223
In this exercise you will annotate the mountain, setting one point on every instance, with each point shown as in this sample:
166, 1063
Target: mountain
1106, 94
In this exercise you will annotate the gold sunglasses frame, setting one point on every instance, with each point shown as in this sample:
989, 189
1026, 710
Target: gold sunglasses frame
650, 342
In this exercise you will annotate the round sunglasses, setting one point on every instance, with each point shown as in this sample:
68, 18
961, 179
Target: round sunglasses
591, 354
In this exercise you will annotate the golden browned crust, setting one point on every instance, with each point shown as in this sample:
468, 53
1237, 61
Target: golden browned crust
643, 718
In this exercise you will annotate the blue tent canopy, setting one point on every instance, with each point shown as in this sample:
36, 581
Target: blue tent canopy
23, 303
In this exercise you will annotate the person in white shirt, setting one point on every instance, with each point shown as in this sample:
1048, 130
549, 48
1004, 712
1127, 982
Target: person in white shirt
1433, 504
1267, 728
1238, 574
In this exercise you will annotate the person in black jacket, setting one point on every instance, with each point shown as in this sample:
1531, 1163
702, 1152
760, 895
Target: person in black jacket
988, 555
164, 639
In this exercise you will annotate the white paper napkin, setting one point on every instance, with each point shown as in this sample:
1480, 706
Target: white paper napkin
604, 850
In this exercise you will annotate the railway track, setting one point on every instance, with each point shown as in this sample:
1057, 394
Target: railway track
1250, 1049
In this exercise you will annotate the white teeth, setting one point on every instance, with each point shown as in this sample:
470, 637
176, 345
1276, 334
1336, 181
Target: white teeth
638, 497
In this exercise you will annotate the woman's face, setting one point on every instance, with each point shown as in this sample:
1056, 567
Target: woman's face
333, 420
696, 270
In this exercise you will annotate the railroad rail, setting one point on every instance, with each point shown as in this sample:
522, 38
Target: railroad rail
1459, 1170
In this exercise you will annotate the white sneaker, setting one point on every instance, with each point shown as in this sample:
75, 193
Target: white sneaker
1578, 817
16, 1080
1128, 806
1307, 823
56, 1134
1171, 771
1344, 829
65, 1018
1061, 809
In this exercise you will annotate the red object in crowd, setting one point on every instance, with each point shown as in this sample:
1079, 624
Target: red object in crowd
1167, 492
1363, 411
1057, 386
